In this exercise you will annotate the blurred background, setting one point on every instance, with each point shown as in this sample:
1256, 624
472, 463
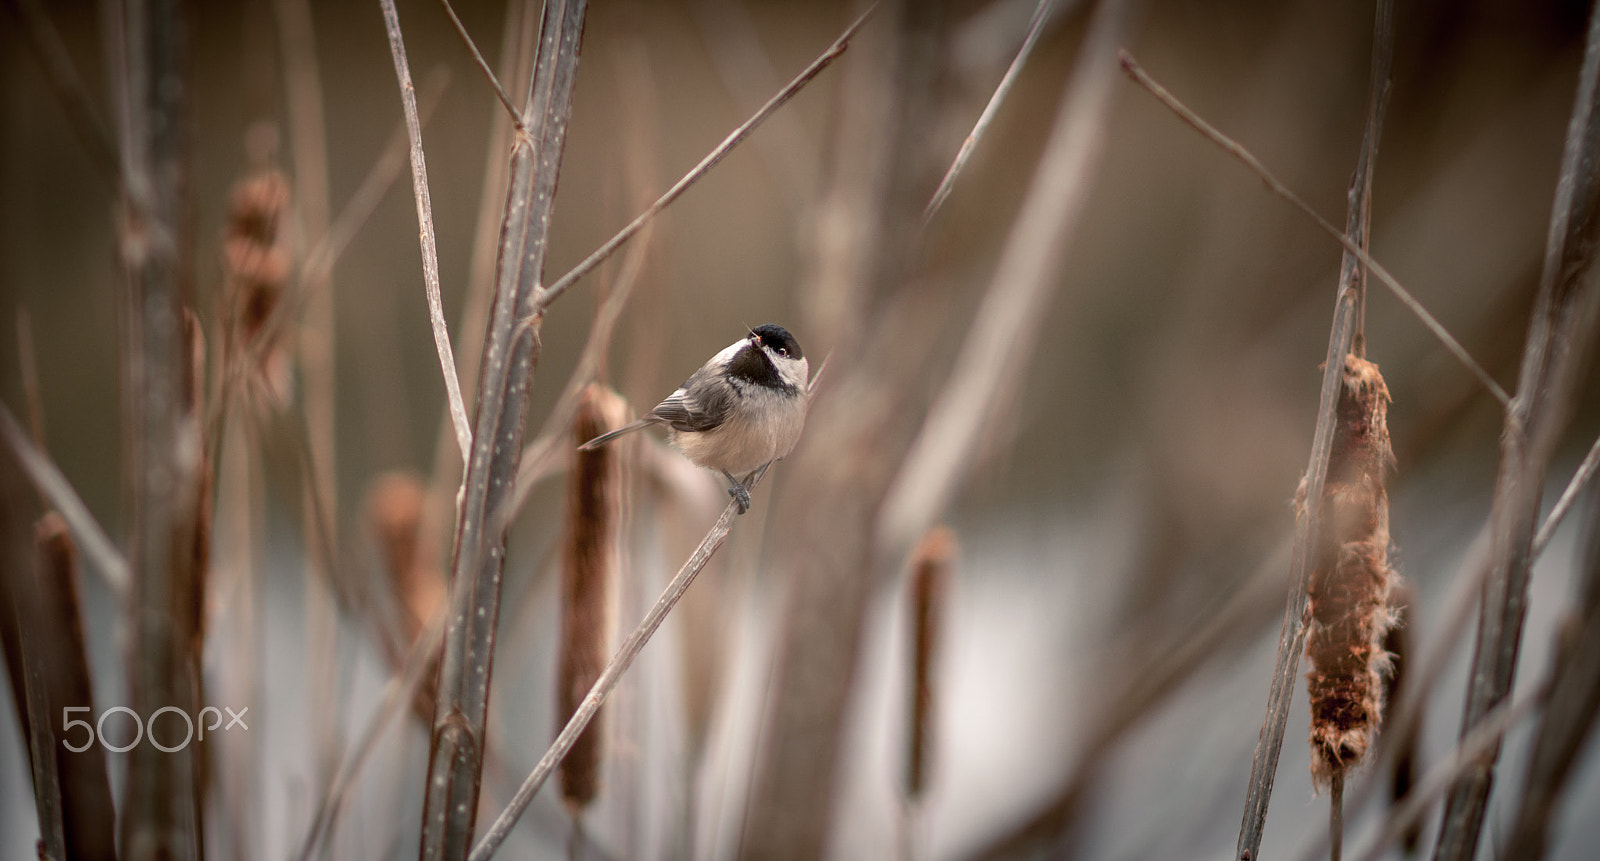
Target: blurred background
1144, 484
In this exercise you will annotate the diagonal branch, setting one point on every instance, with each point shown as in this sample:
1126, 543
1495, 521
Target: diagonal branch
430, 254
734, 138
1041, 14
609, 677
1351, 247
482, 64
104, 557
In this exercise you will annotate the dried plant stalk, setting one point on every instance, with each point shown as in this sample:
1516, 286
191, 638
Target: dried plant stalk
1349, 589
589, 560
930, 579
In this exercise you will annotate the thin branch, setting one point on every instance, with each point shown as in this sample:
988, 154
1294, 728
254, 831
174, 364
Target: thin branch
430, 254
455, 760
1468, 755
1041, 14
1560, 333
69, 88
833, 52
397, 694
613, 672
1569, 496
28, 364
1341, 337
995, 352
477, 58
104, 557
1138, 74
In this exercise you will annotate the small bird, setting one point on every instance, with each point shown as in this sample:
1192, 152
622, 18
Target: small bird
742, 410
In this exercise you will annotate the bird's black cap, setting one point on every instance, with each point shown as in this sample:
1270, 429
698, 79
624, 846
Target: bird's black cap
776, 337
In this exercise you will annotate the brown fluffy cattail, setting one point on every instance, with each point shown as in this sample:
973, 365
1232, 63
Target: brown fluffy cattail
1349, 590
930, 582
393, 515
589, 556
256, 262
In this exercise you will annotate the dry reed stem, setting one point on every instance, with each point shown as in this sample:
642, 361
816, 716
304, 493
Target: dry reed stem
102, 553
1561, 330
618, 665
1408, 745
931, 562
162, 454
519, 32
477, 59
994, 354
1244, 156
717, 153
303, 101
1175, 656
1348, 594
1568, 721
1468, 752
509, 359
747, 72
1041, 14
589, 561
64, 80
430, 254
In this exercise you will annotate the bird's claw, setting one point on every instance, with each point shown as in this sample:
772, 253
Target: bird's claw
740, 495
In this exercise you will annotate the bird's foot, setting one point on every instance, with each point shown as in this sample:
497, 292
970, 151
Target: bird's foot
740, 495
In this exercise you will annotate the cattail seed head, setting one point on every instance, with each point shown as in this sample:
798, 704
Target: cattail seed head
1350, 585
589, 562
931, 562
393, 514
257, 266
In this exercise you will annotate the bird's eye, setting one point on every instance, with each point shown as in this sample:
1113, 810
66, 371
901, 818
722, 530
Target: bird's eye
784, 352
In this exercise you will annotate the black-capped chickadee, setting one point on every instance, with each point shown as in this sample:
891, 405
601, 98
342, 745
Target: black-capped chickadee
742, 410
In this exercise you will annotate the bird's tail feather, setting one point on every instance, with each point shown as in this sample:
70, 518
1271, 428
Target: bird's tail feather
608, 436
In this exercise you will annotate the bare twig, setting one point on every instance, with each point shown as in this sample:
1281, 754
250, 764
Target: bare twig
1569, 718
1234, 149
1474, 745
69, 88
1560, 332
482, 64
1006, 324
1041, 14
103, 554
747, 72
36, 706
733, 139
1291, 639
430, 254
397, 693
509, 358
613, 672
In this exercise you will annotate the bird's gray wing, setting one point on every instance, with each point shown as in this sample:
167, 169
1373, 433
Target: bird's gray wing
702, 403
